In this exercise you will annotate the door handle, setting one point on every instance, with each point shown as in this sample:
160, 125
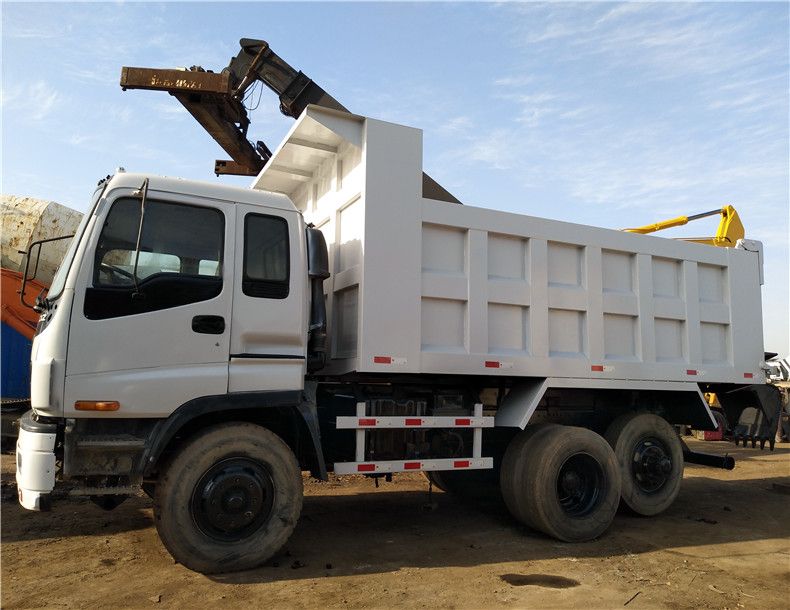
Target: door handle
209, 325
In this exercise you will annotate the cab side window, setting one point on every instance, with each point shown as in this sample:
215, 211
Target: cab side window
179, 260
266, 257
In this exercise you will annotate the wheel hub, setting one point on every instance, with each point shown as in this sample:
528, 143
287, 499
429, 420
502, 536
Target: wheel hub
571, 482
233, 499
579, 484
651, 464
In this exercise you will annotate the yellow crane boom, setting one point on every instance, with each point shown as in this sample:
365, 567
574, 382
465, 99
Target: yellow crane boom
728, 233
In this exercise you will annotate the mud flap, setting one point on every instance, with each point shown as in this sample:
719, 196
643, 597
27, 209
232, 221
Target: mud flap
753, 412
309, 412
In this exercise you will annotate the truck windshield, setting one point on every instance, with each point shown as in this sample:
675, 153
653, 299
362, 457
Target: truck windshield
59, 280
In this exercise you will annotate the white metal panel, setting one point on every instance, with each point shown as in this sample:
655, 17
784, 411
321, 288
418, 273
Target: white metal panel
151, 362
482, 463
41, 383
146, 392
347, 422
268, 342
432, 287
35, 467
116, 344
326, 147
390, 311
640, 307
521, 402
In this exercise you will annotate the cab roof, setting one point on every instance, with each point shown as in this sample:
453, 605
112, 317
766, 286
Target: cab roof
199, 188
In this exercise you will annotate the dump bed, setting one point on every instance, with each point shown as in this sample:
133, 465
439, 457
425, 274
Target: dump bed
423, 286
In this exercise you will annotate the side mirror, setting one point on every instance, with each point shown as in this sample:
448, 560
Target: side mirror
317, 254
40, 302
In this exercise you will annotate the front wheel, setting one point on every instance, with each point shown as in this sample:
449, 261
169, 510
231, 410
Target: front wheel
650, 457
229, 499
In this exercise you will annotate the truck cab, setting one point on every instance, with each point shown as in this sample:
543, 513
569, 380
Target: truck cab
173, 291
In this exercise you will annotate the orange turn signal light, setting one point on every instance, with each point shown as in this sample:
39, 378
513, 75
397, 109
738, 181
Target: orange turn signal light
97, 405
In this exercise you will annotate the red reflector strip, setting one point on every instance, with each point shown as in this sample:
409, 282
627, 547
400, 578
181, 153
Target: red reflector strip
367, 422
382, 360
413, 422
748, 375
411, 466
463, 422
492, 364
461, 464
598, 368
691, 372
366, 468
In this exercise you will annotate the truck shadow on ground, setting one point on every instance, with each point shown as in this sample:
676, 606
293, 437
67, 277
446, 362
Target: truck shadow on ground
388, 531
352, 531
70, 517
389, 526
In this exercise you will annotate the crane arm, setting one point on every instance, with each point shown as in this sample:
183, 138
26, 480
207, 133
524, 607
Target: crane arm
729, 231
257, 62
215, 100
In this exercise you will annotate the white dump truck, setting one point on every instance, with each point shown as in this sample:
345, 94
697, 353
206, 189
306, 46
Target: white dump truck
208, 344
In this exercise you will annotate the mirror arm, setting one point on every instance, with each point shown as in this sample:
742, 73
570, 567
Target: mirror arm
25, 278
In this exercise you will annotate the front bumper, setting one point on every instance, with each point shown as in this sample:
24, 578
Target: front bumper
35, 462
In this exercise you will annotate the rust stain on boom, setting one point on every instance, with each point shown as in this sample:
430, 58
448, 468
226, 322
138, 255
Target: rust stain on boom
175, 80
206, 96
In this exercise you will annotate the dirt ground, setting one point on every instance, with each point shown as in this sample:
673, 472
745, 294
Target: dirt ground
724, 544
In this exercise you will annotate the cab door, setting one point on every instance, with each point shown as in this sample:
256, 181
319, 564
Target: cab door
268, 325
150, 320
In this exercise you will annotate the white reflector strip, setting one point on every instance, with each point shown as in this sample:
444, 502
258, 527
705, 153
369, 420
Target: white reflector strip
345, 422
414, 465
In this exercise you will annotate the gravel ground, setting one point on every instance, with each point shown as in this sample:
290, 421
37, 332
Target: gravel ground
725, 543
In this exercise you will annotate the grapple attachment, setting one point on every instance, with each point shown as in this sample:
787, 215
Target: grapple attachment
753, 412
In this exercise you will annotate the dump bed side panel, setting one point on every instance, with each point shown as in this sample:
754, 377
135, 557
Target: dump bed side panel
518, 295
423, 286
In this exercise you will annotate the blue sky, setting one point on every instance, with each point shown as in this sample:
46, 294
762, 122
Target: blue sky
608, 114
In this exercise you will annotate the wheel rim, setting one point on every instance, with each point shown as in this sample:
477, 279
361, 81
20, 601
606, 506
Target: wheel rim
651, 465
233, 499
580, 482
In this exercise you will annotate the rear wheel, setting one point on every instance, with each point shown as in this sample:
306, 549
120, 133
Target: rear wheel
436, 479
563, 481
516, 461
229, 499
721, 421
650, 458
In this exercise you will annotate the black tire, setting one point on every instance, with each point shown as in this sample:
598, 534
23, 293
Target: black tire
650, 458
435, 478
250, 477
721, 420
514, 464
565, 482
